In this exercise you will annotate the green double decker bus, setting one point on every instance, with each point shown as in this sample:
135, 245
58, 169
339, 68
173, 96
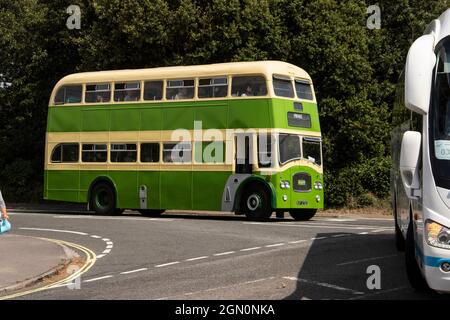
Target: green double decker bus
238, 137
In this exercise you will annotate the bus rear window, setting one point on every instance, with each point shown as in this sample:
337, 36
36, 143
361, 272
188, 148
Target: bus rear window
128, 91
303, 89
213, 88
283, 87
69, 94
97, 93
94, 153
153, 90
249, 86
180, 89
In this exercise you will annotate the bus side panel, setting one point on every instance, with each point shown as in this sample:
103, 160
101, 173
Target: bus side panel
151, 119
281, 118
126, 183
62, 185
96, 120
151, 179
213, 116
208, 189
125, 120
64, 119
180, 117
249, 114
176, 190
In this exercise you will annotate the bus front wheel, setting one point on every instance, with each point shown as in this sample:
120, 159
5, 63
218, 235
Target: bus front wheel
412, 269
151, 212
103, 200
302, 214
255, 203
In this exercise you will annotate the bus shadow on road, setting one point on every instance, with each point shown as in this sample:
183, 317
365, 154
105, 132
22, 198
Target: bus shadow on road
337, 267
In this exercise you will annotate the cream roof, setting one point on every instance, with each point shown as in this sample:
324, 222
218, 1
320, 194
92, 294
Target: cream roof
257, 67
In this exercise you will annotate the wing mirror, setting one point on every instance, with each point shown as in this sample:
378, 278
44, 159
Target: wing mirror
409, 163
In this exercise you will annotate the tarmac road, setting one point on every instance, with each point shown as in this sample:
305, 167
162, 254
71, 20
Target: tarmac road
203, 256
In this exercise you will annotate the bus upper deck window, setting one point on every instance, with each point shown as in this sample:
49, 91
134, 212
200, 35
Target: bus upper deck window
153, 90
248, 86
127, 91
69, 94
180, 89
303, 89
282, 86
96, 93
123, 152
213, 88
94, 153
65, 152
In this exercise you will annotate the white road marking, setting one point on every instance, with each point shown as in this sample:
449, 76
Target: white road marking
99, 256
379, 292
198, 258
338, 220
109, 243
96, 237
106, 251
110, 246
55, 230
224, 253
134, 271
381, 230
106, 240
167, 264
363, 233
323, 284
297, 241
99, 278
112, 218
275, 245
318, 238
250, 249
341, 235
368, 259
280, 224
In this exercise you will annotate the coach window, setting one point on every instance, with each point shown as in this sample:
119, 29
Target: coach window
66, 152
213, 88
153, 90
282, 87
128, 91
149, 152
69, 94
94, 153
248, 86
123, 152
177, 152
303, 89
96, 93
180, 89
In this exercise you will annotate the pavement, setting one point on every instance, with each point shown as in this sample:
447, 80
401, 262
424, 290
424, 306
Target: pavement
201, 255
28, 260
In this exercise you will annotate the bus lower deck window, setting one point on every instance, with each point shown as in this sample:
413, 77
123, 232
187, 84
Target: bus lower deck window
94, 153
177, 152
65, 152
128, 91
121, 152
150, 152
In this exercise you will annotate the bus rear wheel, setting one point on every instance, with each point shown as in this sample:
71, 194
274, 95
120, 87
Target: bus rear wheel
103, 200
151, 212
415, 277
302, 214
255, 203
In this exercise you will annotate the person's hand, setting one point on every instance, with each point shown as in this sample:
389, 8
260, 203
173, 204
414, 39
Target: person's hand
6, 216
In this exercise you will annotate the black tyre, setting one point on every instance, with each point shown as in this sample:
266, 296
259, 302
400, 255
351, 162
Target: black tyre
412, 269
103, 199
151, 212
302, 214
255, 203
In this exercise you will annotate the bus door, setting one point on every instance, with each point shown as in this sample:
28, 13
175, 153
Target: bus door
243, 153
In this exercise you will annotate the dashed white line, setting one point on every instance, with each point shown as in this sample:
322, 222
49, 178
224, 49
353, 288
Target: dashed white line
134, 271
323, 284
275, 245
110, 246
99, 278
250, 249
99, 256
363, 233
106, 251
224, 253
198, 258
106, 239
96, 237
380, 230
167, 264
297, 241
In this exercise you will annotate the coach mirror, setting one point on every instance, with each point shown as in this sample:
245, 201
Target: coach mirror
419, 73
409, 163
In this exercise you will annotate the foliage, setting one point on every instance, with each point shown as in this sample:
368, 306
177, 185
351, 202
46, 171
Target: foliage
354, 69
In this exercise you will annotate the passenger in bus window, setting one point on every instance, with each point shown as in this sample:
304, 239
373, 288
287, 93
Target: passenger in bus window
99, 98
248, 91
131, 96
182, 94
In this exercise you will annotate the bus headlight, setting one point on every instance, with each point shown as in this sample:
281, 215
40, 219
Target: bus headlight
318, 185
437, 235
284, 184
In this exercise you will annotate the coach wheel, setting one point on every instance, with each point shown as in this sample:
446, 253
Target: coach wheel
103, 200
255, 203
412, 269
302, 214
151, 212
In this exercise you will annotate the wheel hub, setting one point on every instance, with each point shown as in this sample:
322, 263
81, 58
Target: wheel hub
253, 202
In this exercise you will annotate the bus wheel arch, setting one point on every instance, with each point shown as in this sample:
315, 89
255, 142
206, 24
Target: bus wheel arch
102, 197
255, 199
